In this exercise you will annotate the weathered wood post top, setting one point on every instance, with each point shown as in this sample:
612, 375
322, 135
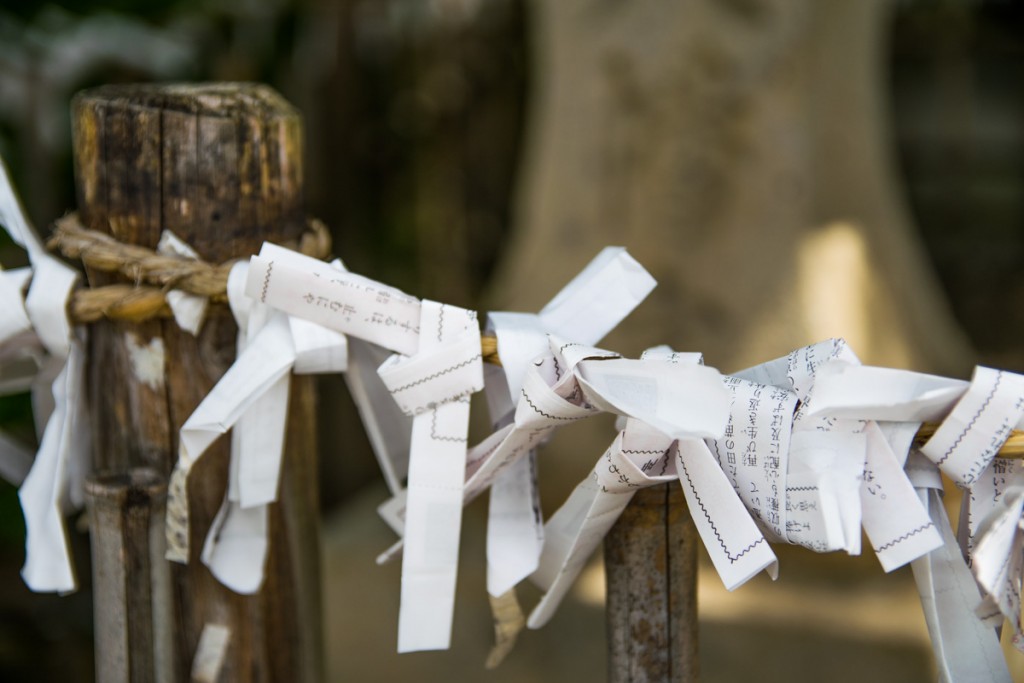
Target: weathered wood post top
220, 166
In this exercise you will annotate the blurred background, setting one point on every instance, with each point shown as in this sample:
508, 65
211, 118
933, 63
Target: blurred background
788, 170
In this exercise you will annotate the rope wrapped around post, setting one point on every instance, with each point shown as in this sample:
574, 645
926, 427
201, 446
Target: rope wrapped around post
153, 273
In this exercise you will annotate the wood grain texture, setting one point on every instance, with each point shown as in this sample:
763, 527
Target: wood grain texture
131, 579
651, 573
220, 165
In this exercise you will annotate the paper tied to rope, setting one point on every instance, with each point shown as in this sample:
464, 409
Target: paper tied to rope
998, 557
585, 310
549, 398
377, 320
434, 386
252, 396
572, 381
352, 304
576, 529
977, 418
430, 382
842, 472
189, 310
966, 648
642, 456
13, 317
53, 485
236, 545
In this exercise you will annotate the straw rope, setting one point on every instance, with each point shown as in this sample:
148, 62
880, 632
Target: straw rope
153, 273
161, 273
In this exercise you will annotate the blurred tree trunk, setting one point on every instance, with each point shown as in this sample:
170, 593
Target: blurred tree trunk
741, 151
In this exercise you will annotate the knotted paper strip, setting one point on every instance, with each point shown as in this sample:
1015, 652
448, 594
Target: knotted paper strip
13, 318
548, 399
998, 558
828, 454
977, 417
189, 309
53, 485
235, 548
572, 381
253, 394
578, 526
354, 305
377, 320
21, 355
641, 456
434, 385
584, 311
966, 649
990, 530
431, 381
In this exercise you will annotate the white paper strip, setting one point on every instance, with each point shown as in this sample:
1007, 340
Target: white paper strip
826, 458
977, 418
434, 385
51, 487
586, 309
387, 427
267, 358
998, 550
210, 653
895, 520
235, 547
45, 493
966, 649
978, 426
591, 305
189, 309
736, 546
824, 469
341, 301
577, 528
54, 484
754, 450
851, 390
252, 393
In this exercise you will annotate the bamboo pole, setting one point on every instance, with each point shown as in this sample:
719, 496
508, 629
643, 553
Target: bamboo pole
131, 580
220, 166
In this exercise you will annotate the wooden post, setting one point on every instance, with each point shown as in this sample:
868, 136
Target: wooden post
650, 560
131, 580
219, 165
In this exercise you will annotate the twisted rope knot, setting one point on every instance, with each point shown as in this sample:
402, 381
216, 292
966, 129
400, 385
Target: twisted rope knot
153, 274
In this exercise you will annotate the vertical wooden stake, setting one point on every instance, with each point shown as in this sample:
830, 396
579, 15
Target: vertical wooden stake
650, 560
220, 165
131, 580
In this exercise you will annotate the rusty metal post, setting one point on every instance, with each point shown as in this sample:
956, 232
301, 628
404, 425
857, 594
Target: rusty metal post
650, 560
131, 579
